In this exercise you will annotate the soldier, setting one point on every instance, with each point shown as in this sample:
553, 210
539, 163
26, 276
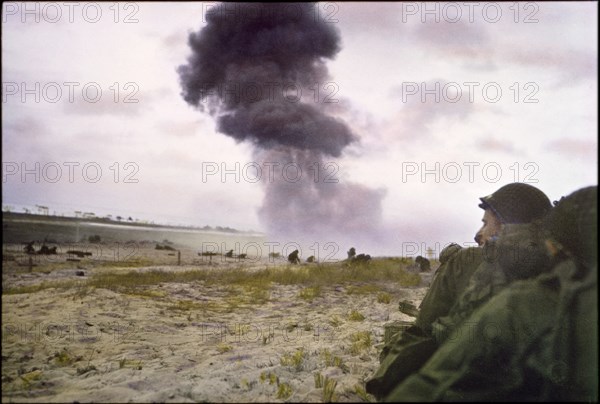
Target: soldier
362, 258
518, 252
44, 249
423, 263
293, 257
513, 203
29, 248
537, 340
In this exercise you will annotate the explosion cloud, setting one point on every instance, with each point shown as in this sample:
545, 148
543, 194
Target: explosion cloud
255, 67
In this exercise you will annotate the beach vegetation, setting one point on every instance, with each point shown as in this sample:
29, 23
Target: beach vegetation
355, 315
360, 341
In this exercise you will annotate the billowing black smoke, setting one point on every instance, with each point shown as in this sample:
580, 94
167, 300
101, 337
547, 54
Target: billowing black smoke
256, 68
250, 64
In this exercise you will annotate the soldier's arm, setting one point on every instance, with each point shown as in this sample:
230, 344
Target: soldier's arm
484, 361
450, 280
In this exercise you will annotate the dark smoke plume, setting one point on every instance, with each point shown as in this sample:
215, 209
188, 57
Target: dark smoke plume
253, 67
317, 205
245, 59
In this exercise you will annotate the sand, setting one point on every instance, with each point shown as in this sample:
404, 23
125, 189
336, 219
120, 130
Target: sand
182, 342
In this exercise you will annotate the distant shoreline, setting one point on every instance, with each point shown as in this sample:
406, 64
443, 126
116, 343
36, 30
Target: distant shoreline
50, 219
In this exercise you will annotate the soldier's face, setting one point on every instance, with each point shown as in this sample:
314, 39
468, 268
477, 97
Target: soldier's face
491, 227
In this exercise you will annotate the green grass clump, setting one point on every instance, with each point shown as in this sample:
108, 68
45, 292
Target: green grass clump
130, 363
271, 377
329, 386
310, 294
63, 358
355, 316
284, 391
361, 341
295, 360
222, 347
30, 378
384, 297
332, 360
319, 379
362, 393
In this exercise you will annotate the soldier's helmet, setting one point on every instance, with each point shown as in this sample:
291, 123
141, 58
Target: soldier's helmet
573, 223
517, 203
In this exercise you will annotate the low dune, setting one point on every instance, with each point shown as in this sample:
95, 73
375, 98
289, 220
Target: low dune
211, 329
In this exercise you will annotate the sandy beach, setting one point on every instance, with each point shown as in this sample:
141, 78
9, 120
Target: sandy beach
188, 341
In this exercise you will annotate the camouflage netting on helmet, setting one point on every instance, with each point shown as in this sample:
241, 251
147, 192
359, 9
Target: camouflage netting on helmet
572, 223
517, 203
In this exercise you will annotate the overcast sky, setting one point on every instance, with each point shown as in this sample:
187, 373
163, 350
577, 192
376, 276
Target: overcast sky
477, 94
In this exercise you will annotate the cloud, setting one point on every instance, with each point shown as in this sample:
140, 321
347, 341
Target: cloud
572, 65
421, 110
491, 144
25, 139
520, 45
28, 127
460, 39
357, 18
180, 129
127, 103
574, 148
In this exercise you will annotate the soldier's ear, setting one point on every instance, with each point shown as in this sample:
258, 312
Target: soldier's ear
555, 248
551, 247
